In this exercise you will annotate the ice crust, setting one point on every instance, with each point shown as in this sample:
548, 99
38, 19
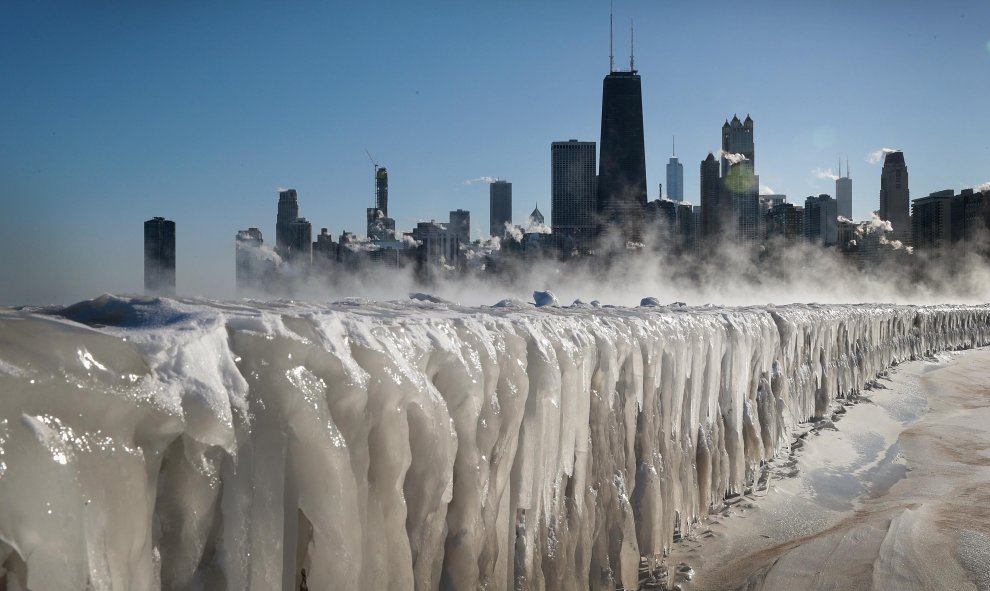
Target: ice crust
182, 444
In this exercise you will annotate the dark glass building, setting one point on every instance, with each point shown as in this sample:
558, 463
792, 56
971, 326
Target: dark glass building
573, 194
713, 214
500, 207
786, 221
460, 225
895, 197
381, 190
159, 256
622, 158
740, 184
288, 212
300, 247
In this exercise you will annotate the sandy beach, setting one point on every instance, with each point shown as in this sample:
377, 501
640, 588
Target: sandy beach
894, 494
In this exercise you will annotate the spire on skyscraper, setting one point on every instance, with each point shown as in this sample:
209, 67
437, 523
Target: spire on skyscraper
673, 146
632, 47
611, 52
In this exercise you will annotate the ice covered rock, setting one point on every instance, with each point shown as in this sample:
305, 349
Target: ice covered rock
511, 303
545, 298
427, 297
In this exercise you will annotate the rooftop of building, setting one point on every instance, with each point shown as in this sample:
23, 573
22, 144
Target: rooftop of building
894, 158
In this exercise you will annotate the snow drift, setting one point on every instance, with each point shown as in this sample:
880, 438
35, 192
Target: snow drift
217, 445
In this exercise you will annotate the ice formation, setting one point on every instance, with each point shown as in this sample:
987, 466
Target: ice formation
215, 445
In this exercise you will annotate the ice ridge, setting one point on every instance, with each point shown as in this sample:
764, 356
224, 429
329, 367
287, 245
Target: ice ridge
179, 444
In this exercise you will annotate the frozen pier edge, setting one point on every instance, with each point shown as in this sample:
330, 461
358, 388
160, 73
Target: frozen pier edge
219, 445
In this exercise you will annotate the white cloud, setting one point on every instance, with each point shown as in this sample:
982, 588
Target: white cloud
825, 174
984, 187
876, 156
732, 158
765, 190
480, 179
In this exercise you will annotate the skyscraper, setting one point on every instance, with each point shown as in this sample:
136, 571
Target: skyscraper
713, 213
572, 194
253, 264
737, 140
536, 217
675, 178
786, 221
895, 198
381, 190
622, 159
460, 225
380, 226
500, 207
821, 220
768, 202
288, 211
740, 184
931, 221
300, 247
159, 256
844, 193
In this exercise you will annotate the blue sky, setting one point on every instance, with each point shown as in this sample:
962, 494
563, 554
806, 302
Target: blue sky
113, 112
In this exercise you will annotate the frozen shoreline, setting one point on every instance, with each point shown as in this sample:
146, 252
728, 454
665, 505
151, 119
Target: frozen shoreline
898, 497
170, 443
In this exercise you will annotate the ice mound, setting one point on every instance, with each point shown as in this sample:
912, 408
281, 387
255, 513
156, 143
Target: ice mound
178, 444
426, 297
110, 310
511, 303
545, 298
649, 302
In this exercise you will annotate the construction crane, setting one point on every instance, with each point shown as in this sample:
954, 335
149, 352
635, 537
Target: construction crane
373, 161
381, 184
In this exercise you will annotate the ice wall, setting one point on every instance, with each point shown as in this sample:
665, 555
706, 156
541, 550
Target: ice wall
187, 444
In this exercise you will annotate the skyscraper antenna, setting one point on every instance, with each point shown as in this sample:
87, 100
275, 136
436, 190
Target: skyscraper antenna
673, 145
847, 167
840, 165
611, 52
632, 47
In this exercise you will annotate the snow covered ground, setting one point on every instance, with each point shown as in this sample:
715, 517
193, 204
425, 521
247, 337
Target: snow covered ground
414, 444
894, 495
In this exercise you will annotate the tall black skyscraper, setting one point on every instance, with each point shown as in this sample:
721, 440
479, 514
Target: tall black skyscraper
499, 207
159, 256
622, 157
380, 226
895, 197
713, 214
288, 212
381, 190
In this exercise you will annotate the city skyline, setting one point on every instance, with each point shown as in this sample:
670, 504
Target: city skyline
79, 164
